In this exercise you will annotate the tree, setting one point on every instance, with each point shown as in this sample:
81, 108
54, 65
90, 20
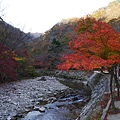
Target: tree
7, 64
95, 45
99, 14
55, 42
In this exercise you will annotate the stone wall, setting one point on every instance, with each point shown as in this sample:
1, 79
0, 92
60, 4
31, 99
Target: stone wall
97, 82
98, 89
70, 74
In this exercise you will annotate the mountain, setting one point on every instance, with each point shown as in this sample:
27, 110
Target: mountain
13, 37
109, 12
36, 35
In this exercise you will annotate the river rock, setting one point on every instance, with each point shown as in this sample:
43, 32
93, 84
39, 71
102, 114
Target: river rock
42, 109
34, 115
36, 108
51, 115
42, 79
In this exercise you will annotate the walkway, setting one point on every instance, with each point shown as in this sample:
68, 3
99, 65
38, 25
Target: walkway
115, 116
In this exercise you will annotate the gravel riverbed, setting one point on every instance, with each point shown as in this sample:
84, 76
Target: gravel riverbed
18, 96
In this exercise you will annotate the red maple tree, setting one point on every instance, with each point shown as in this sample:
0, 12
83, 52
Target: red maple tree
95, 45
7, 64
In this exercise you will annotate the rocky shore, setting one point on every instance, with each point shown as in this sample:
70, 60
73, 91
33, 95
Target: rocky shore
19, 96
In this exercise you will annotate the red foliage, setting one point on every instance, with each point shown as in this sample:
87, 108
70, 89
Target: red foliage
22, 54
37, 63
7, 63
96, 44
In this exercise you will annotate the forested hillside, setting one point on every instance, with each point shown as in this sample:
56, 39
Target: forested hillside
14, 57
13, 37
48, 48
109, 12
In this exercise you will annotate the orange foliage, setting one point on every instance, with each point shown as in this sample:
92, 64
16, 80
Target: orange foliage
96, 44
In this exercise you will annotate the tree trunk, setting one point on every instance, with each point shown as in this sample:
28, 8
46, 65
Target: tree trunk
116, 79
111, 90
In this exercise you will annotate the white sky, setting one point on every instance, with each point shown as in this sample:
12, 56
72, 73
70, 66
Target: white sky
41, 15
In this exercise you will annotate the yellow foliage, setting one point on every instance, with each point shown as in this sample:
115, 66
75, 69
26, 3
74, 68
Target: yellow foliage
19, 59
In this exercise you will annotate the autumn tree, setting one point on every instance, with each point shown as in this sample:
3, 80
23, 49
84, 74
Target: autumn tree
7, 64
95, 45
25, 67
99, 14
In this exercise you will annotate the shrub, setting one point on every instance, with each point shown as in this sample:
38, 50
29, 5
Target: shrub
25, 68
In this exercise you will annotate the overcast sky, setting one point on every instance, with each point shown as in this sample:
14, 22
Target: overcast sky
41, 15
